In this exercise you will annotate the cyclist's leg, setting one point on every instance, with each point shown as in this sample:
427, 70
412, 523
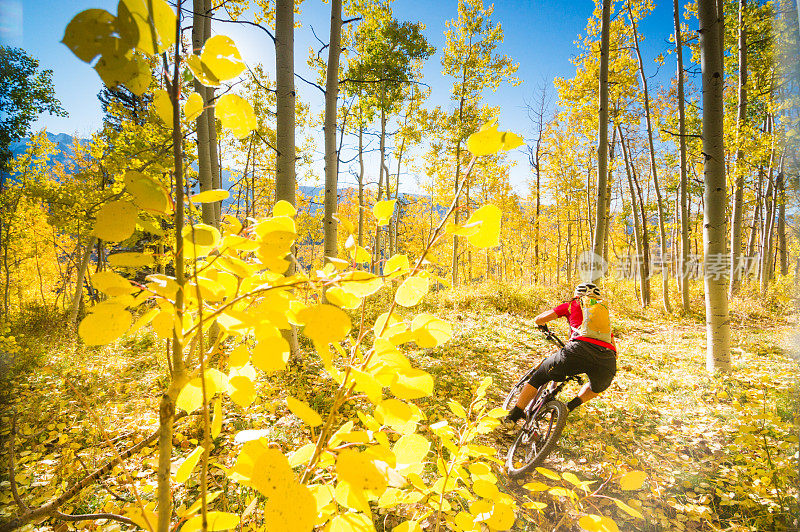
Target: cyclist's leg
601, 368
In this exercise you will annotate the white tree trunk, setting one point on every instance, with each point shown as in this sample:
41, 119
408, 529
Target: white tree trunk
601, 223
718, 330
331, 156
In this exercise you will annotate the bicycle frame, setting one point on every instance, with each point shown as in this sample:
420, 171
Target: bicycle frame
550, 390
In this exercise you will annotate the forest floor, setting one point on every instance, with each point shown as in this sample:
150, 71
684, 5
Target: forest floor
719, 453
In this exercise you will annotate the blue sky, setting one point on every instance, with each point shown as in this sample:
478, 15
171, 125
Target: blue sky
539, 35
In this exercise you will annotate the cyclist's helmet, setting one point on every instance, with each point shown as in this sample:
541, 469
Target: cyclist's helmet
587, 289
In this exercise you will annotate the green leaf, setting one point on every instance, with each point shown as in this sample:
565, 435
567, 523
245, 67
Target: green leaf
236, 114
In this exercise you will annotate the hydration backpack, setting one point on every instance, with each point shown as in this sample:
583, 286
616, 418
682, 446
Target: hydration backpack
596, 319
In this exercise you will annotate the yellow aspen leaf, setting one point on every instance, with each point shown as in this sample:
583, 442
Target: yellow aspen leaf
510, 140
190, 397
548, 473
131, 259
324, 324
242, 391
302, 455
408, 526
351, 522
105, 323
236, 114
88, 33
271, 474
571, 478
410, 450
309, 416
111, 283
430, 331
369, 385
188, 465
284, 208
536, 486
488, 234
270, 354
216, 422
147, 25
502, 517
412, 383
115, 221
393, 413
535, 505
195, 507
460, 230
358, 470
222, 58
383, 211
163, 106
486, 141
347, 225
294, 511
337, 296
144, 319
598, 523
359, 255
562, 492
632, 480
216, 521
210, 196
202, 235
361, 284
239, 356
397, 264
411, 291
147, 193
628, 510
193, 107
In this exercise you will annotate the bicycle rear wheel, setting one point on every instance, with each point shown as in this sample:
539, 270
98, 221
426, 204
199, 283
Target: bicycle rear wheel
536, 439
513, 394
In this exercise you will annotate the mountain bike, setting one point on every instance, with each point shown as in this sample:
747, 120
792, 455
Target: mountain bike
545, 418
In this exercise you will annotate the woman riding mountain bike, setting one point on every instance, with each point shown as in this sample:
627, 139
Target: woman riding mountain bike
590, 350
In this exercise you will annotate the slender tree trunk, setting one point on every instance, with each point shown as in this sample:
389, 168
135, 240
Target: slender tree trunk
684, 192
331, 158
639, 264
601, 224
204, 169
361, 179
653, 168
756, 219
781, 229
738, 194
80, 274
285, 178
714, 233
383, 188
644, 258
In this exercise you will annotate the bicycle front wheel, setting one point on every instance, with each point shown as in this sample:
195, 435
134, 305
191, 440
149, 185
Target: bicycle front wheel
536, 439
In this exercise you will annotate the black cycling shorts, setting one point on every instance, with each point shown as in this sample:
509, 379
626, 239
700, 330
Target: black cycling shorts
597, 362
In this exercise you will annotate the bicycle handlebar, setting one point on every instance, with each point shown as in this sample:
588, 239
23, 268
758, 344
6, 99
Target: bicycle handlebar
551, 336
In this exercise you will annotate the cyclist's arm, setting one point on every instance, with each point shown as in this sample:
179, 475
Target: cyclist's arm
544, 317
